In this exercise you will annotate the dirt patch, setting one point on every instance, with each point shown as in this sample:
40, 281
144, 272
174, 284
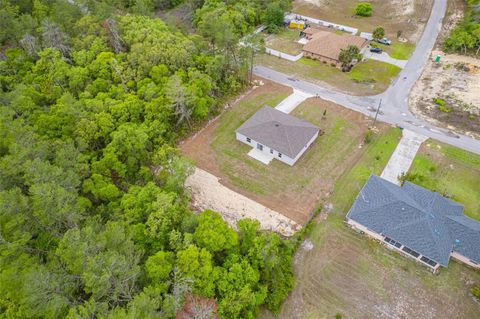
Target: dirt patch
208, 193
293, 191
448, 94
407, 16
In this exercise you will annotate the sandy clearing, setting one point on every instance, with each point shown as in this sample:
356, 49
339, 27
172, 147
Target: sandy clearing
208, 193
458, 86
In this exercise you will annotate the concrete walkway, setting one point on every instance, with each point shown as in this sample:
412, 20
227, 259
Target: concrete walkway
403, 156
384, 57
208, 193
282, 55
260, 156
292, 101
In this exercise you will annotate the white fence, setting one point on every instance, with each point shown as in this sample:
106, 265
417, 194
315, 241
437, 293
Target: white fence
282, 55
323, 23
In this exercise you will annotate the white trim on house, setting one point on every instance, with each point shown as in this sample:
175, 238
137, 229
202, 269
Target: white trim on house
270, 151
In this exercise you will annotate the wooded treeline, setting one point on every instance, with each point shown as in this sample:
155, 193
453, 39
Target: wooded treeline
94, 218
465, 37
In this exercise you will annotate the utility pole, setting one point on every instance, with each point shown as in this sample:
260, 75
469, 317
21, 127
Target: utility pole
376, 114
251, 65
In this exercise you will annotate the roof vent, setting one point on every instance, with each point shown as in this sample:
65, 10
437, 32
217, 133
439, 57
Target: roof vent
277, 125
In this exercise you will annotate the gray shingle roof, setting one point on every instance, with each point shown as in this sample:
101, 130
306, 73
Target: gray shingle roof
280, 131
418, 218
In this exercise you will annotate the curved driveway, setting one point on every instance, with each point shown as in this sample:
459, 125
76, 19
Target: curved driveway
394, 109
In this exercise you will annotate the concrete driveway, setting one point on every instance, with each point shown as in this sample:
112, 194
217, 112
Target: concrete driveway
384, 57
403, 156
293, 100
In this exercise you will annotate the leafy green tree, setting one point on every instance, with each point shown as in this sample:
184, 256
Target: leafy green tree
274, 16
196, 264
214, 234
378, 33
347, 56
364, 9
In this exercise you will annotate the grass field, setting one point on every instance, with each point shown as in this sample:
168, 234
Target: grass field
285, 41
366, 78
450, 171
347, 273
399, 50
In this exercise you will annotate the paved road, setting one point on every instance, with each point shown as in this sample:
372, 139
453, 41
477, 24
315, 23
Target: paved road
394, 109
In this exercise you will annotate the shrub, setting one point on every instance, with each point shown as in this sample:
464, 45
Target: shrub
368, 137
415, 178
333, 64
364, 9
439, 101
476, 291
442, 105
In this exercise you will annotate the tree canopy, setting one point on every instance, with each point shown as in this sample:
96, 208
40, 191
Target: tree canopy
465, 37
94, 218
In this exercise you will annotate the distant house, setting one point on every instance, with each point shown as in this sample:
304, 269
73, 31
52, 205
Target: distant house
417, 222
278, 134
326, 46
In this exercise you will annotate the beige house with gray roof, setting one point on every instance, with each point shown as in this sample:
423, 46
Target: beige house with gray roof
277, 134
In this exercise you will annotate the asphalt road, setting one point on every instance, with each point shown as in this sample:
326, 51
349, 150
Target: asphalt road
395, 104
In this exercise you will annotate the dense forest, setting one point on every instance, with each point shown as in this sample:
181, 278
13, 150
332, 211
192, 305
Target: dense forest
94, 217
465, 37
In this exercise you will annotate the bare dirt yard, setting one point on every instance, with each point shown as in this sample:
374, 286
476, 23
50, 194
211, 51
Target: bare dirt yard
407, 16
340, 272
293, 191
208, 193
448, 94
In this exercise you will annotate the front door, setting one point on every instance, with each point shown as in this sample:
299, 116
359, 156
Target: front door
260, 147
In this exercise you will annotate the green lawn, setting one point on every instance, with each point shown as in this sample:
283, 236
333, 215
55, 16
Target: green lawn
371, 71
449, 171
285, 41
346, 273
366, 78
399, 50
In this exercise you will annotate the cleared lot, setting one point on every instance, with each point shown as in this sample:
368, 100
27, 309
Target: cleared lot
348, 274
294, 191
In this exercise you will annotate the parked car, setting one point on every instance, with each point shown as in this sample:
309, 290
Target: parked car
376, 50
384, 41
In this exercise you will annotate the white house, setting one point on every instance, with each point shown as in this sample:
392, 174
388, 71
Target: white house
278, 134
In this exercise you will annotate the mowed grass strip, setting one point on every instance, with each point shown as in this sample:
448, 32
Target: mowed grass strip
449, 171
349, 274
366, 78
